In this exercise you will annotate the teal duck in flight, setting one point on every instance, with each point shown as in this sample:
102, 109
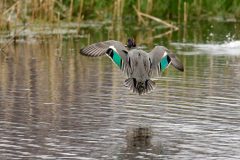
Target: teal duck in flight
138, 65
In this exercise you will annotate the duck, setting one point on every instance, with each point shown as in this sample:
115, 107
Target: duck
139, 66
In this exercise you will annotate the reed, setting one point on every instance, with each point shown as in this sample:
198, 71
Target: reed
15, 12
185, 14
70, 11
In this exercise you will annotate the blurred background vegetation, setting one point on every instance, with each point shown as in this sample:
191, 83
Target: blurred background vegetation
18, 12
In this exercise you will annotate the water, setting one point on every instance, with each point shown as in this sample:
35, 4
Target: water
57, 104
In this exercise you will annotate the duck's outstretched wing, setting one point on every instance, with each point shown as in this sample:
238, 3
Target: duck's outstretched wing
161, 58
100, 48
113, 49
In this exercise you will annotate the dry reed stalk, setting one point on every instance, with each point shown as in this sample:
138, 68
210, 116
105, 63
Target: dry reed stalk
157, 19
34, 9
7, 15
1, 14
140, 19
25, 10
11, 8
122, 7
179, 11
62, 8
80, 16
44, 6
185, 13
41, 7
149, 6
118, 10
114, 10
80, 11
200, 8
48, 8
70, 11
185, 23
52, 10
138, 5
163, 34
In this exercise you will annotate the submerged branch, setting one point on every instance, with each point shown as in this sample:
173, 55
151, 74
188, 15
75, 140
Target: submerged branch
11, 40
163, 34
140, 14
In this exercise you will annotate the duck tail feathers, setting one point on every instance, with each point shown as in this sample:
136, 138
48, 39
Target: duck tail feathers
139, 87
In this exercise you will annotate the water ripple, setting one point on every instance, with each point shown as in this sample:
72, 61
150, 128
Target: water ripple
79, 109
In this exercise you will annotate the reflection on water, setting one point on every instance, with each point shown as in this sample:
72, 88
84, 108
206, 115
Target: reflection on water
56, 103
139, 137
139, 144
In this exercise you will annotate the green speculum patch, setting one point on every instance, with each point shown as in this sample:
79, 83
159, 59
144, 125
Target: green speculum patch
117, 59
164, 63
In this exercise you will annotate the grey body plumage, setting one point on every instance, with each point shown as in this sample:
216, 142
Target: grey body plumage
138, 65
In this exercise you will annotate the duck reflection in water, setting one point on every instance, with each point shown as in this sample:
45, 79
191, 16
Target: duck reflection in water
139, 144
139, 137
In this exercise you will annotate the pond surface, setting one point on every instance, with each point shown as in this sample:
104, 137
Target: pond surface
57, 104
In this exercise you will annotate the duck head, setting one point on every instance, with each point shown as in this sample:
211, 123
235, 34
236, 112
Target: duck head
131, 43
